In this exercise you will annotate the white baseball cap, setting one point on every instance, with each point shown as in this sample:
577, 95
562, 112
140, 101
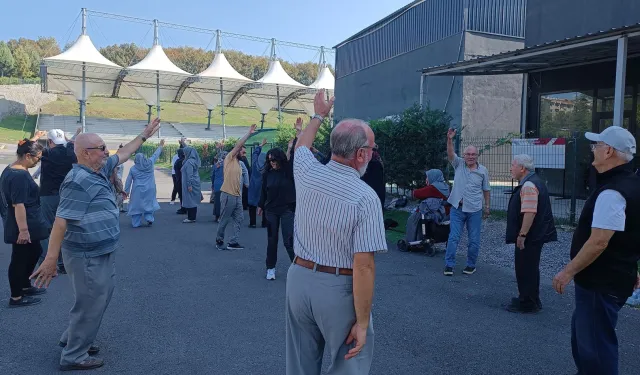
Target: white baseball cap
57, 136
619, 138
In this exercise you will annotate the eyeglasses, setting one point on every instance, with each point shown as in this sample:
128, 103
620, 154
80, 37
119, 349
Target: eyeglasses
467, 154
595, 145
374, 147
101, 148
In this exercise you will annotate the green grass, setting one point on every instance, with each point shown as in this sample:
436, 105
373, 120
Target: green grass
397, 233
131, 109
11, 128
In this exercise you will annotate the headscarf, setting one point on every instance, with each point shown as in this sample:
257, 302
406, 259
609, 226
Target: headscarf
190, 153
143, 163
436, 178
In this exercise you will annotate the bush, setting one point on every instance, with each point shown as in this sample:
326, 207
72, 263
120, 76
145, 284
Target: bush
18, 81
412, 143
322, 142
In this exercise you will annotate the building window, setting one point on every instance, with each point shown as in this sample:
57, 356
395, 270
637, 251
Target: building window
565, 114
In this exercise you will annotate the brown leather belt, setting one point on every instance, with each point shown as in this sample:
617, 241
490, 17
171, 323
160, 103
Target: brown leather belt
326, 269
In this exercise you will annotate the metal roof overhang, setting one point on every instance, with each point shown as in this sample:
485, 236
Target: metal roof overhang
581, 50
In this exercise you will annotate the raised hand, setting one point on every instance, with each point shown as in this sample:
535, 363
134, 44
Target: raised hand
298, 124
79, 130
321, 106
253, 129
162, 143
264, 142
152, 128
451, 133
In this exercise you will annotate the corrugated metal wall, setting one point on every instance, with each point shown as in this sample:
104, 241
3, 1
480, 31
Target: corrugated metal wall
426, 23
501, 17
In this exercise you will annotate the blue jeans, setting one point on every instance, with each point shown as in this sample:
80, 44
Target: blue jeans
593, 332
474, 225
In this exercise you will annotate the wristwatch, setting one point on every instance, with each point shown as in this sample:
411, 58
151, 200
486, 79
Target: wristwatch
320, 118
522, 235
143, 138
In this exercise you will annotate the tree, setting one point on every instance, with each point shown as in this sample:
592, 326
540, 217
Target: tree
34, 58
22, 63
125, 55
412, 143
7, 63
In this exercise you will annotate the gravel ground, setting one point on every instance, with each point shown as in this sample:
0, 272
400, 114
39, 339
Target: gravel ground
493, 250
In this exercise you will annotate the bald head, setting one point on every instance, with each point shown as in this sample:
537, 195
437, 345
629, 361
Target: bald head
349, 136
88, 150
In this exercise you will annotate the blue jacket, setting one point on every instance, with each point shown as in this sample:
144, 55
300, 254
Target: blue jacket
258, 160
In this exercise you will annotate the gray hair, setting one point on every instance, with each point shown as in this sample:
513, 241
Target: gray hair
524, 161
626, 157
346, 140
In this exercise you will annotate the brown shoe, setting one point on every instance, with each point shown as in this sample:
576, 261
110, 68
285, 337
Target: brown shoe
88, 364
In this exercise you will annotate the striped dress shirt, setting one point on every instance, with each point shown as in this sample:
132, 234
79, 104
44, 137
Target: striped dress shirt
337, 214
87, 202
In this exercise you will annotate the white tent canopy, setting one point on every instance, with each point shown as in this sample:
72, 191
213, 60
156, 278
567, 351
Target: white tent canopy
64, 71
275, 84
303, 99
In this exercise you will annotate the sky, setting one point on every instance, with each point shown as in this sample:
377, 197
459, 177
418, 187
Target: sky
320, 23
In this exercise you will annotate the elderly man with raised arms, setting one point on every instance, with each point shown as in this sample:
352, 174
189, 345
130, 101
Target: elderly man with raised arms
87, 230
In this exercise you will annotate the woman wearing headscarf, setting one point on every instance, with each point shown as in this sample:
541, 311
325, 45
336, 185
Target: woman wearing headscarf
118, 187
24, 224
278, 201
374, 176
177, 166
436, 187
141, 187
191, 193
258, 161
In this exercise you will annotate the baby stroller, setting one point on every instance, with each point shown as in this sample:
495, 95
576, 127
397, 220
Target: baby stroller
428, 225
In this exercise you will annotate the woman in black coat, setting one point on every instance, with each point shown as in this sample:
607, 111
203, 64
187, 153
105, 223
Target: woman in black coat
374, 176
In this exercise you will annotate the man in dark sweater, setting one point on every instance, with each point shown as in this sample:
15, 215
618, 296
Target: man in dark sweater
529, 226
57, 160
604, 253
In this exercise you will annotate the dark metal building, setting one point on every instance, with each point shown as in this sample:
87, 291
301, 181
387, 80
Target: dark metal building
377, 70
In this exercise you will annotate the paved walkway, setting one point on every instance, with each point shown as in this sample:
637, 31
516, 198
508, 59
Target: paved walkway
181, 306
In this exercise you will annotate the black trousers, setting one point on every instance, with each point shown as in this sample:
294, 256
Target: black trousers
216, 204
192, 213
252, 216
527, 264
245, 197
177, 188
23, 260
273, 227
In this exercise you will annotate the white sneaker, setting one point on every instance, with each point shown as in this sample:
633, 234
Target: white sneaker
271, 274
172, 203
187, 221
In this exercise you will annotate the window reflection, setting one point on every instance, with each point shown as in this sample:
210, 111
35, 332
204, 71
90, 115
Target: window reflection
564, 114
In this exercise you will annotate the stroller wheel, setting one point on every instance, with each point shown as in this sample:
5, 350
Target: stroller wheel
402, 245
429, 250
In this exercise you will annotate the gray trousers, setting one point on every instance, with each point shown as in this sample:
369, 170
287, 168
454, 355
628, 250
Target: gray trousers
93, 281
49, 206
231, 210
319, 317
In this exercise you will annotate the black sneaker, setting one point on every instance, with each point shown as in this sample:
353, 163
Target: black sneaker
33, 291
93, 350
234, 246
469, 270
24, 301
448, 271
220, 245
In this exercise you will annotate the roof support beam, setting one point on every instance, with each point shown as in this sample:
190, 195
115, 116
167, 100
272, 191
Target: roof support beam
621, 72
184, 86
118, 83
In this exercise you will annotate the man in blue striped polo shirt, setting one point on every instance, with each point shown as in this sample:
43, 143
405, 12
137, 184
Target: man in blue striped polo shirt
338, 229
87, 229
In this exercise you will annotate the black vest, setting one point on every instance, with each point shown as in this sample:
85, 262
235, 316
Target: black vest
543, 228
615, 270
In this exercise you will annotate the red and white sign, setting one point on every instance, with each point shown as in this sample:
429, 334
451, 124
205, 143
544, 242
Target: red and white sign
546, 152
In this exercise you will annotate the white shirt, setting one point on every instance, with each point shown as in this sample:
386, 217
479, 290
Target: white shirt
609, 212
337, 214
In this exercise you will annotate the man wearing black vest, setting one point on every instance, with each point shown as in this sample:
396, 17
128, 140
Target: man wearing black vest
604, 253
529, 225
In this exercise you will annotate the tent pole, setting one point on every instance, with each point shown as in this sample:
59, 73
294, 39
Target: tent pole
224, 126
421, 89
83, 102
149, 112
158, 96
208, 119
262, 120
279, 109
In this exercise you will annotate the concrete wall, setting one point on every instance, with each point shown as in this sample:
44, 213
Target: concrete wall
392, 86
549, 20
490, 104
24, 98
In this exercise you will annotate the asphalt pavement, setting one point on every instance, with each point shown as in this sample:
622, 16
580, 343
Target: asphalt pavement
183, 307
